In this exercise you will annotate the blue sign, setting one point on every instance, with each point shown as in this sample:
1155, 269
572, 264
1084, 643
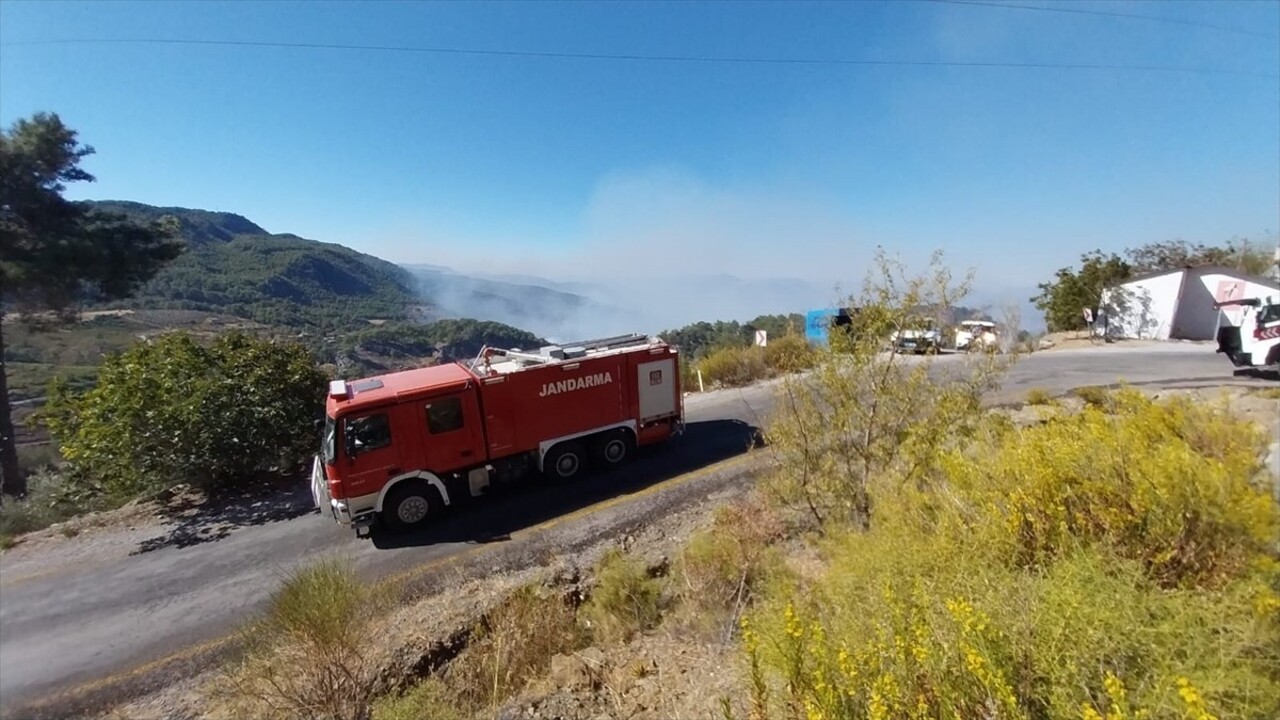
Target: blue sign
818, 324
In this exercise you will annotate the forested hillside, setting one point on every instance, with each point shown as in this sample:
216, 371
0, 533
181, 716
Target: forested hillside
232, 266
356, 312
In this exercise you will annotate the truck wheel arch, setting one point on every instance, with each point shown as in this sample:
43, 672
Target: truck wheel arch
545, 446
424, 476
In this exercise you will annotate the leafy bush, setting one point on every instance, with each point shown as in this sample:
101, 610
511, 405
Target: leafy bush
308, 657
1167, 484
172, 410
624, 600
789, 353
734, 366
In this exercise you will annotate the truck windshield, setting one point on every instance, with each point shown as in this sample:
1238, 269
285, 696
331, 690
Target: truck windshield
328, 444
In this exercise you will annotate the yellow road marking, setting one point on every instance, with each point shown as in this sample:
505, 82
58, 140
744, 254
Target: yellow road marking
409, 574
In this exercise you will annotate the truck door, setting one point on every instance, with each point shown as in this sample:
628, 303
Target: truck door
455, 437
370, 454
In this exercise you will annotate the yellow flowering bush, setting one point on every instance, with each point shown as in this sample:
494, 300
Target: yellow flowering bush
1113, 565
1167, 483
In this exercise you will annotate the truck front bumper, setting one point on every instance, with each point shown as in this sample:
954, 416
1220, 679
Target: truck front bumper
340, 510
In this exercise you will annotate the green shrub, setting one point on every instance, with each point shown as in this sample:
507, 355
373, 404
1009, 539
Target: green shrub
171, 410
624, 601
789, 353
688, 375
734, 366
309, 655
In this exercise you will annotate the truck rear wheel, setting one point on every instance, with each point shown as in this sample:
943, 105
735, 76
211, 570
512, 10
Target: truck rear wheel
409, 505
614, 448
566, 461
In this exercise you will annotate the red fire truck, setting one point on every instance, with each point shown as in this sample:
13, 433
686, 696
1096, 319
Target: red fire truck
398, 448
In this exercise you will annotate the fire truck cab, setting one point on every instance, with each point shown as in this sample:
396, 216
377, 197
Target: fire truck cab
398, 448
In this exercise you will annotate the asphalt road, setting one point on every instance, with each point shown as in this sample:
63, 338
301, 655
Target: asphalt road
73, 623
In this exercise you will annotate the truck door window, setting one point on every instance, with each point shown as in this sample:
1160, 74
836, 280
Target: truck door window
367, 433
444, 415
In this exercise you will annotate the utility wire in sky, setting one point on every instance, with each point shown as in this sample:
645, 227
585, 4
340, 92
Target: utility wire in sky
646, 58
1108, 13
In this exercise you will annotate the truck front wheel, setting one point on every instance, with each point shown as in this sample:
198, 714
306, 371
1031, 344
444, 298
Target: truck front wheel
409, 505
565, 461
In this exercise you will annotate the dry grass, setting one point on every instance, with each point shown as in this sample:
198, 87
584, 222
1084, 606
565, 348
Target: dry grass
309, 655
1093, 395
1268, 393
510, 646
720, 570
1039, 396
624, 601
734, 366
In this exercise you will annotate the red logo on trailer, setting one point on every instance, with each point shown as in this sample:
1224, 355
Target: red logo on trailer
1229, 290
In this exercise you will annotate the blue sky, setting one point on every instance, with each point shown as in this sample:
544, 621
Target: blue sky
611, 168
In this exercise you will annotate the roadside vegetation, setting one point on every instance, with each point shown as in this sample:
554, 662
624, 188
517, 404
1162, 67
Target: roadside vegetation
309, 655
908, 554
173, 410
218, 416
1112, 563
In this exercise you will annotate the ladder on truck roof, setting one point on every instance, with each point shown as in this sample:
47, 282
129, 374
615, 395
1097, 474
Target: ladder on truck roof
567, 351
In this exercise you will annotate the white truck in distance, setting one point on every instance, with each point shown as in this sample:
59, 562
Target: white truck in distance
1255, 342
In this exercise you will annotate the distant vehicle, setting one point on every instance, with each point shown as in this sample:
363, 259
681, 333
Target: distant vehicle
974, 335
398, 448
922, 338
1255, 342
